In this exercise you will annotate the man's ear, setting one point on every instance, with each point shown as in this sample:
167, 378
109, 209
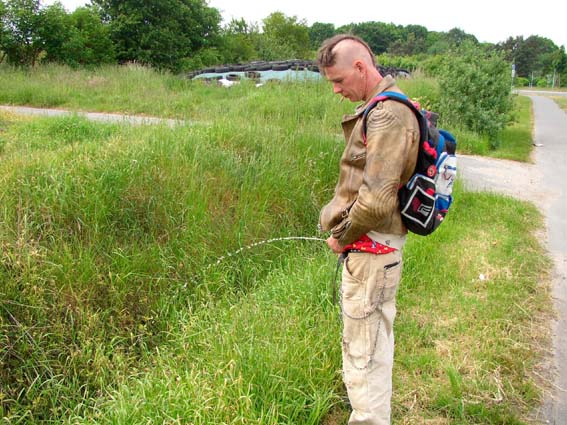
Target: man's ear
359, 65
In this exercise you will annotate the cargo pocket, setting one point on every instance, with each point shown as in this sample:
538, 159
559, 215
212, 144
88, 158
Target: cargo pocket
386, 291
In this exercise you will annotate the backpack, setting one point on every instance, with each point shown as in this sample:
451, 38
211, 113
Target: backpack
427, 196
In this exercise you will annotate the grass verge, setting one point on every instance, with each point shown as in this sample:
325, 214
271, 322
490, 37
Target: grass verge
561, 101
108, 316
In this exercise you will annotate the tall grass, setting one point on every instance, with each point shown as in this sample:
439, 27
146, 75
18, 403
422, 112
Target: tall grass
110, 312
139, 90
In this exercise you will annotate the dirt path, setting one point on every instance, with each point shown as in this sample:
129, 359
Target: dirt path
95, 116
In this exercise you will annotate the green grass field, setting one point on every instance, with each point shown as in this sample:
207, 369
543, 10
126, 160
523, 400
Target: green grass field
114, 311
138, 90
561, 101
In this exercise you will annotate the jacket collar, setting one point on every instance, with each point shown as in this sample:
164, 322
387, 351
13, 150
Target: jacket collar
384, 84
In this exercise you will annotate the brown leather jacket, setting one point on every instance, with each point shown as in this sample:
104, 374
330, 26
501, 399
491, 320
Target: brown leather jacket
366, 195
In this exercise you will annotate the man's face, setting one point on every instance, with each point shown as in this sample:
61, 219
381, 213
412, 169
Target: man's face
347, 81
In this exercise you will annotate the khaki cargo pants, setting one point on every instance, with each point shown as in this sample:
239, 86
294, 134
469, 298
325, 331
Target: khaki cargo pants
368, 303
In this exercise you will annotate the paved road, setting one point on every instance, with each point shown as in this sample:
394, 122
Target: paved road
544, 184
551, 160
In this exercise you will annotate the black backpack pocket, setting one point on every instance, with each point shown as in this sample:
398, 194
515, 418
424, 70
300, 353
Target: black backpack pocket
417, 205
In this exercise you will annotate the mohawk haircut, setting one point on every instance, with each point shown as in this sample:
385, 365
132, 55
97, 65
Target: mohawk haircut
326, 57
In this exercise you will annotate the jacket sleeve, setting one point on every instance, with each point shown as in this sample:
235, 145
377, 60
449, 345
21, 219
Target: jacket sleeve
388, 146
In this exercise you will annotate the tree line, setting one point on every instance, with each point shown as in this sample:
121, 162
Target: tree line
184, 35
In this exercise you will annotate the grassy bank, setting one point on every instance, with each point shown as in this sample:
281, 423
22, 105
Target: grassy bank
139, 90
561, 101
110, 312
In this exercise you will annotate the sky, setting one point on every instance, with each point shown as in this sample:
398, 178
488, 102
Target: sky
488, 20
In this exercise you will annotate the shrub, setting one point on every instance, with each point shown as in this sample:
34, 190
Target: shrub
409, 63
475, 91
521, 82
542, 82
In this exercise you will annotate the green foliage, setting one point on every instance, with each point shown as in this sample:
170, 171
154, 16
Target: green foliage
378, 35
542, 82
437, 43
432, 65
21, 23
410, 63
412, 41
237, 42
90, 43
456, 38
515, 140
179, 35
521, 82
160, 33
76, 39
319, 32
475, 89
54, 31
534, 56
285, 37
202, 59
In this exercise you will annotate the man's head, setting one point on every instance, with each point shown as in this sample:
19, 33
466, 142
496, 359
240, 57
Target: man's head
348, 62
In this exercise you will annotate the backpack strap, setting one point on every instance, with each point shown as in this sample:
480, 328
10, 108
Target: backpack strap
401, 98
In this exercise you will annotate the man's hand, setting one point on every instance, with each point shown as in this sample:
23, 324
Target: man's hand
334, 245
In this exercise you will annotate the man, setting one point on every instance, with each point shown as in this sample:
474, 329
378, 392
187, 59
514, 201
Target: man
365, 222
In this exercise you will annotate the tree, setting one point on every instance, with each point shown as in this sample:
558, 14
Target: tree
286, 36
510, 47
76, 39
90, 43
21, 40
54, 32
560, 66
412, 44
456, 37
237, 41
319, 32
160, 33
534, 56
378, 35
3, 30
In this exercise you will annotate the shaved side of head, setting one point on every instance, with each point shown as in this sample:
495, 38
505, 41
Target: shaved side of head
344, 47
348, 51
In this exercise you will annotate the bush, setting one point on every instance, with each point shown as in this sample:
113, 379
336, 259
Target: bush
203, 58
521, 82
432, 64
542, 82
475, 91
409, 63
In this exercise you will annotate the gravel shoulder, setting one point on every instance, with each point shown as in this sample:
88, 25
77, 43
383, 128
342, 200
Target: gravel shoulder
517, 179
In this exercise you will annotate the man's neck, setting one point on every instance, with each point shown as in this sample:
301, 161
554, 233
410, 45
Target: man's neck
372, 80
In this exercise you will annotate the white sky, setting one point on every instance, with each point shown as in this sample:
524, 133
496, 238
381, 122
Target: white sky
489, 20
